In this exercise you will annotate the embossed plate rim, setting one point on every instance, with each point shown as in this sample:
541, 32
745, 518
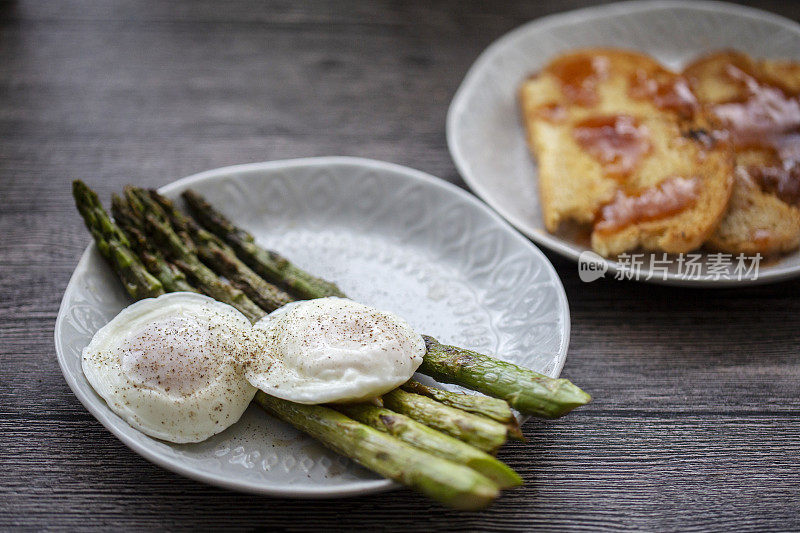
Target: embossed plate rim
106, 417
534, 229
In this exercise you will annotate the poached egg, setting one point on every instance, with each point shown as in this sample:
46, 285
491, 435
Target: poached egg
171, 366
333, 350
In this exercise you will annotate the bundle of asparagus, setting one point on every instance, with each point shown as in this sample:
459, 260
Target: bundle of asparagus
432, 440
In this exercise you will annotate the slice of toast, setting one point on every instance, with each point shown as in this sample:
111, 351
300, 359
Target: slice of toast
757, 102
619, 146
756, 222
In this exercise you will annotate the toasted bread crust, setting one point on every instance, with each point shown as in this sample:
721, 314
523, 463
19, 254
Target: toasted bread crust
756, 222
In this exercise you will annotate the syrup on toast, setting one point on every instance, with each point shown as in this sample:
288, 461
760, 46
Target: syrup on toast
756, 103
620, 144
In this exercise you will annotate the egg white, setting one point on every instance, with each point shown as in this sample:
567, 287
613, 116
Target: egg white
170, 366
333, 350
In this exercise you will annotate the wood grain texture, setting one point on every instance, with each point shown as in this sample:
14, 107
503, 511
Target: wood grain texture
696, 418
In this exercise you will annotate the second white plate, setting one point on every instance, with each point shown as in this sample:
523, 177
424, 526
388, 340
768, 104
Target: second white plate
485, 132
390, 236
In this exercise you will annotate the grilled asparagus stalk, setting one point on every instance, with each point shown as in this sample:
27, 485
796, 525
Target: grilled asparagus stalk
268, 264
527, 391
478, 431
453, 484
493, 408
176, 249
114, 245
221, 258
421, 436
170, 276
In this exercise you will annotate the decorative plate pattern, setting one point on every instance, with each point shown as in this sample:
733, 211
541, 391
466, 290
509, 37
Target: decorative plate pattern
484, 129
391, 237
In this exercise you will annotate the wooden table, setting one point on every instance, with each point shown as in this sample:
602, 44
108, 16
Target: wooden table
696, 417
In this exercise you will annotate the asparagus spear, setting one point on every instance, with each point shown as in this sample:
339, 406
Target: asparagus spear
455, 485
493, 408
170, 276
525, 390
478, 431
114, 246
422, 437
174, 247
268, 264
221, 258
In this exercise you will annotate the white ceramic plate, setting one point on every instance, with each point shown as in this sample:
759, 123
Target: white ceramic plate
391, 237
485, 133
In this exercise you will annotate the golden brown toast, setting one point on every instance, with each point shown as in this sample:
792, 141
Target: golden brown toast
619, 146
756, 222
756, 103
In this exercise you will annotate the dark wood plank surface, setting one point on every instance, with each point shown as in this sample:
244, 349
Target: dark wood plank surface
696, 418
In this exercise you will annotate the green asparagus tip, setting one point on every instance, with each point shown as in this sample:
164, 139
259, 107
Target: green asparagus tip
81, 192
570, 397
